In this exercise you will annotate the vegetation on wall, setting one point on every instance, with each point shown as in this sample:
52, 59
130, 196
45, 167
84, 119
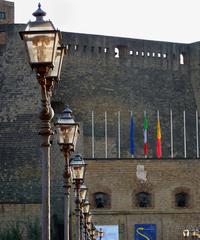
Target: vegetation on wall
15, 231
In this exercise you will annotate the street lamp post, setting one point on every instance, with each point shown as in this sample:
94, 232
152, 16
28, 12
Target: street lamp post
78, 170
88, 225
93, 232
86, 210
68, 132
42, 41
83, 194
195, 233
100, 233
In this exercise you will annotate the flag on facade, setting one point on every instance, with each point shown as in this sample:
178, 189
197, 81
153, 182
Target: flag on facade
132, 145
145, 135
158, 141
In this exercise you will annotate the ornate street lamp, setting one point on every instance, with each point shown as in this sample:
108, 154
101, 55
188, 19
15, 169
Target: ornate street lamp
42, 42
85, 210
82, 197
78, 171
100, 233
93, 233
186, 233
67, 133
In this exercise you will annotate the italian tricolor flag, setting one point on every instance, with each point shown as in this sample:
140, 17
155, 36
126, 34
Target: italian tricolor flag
145, 135
158, 141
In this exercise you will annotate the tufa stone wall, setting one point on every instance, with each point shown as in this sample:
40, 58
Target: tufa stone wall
101, 74
161, 178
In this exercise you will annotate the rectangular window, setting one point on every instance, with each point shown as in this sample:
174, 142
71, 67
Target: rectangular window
2, 15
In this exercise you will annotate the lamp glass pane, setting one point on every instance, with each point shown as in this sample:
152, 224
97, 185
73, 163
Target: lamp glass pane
76, 133
66, 134
55, 72
86, 208
41, 47
89, 218
83, 193
77, 172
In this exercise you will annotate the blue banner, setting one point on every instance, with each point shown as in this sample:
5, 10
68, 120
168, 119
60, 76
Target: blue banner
145, 232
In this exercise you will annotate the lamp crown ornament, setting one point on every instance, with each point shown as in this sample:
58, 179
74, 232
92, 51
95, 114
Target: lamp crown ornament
39, 14
66, 117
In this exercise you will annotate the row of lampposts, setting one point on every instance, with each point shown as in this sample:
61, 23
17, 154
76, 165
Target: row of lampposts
45, 52
67, 131
195, 233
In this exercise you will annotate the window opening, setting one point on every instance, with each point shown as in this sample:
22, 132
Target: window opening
181, 199
143, 199
116, 52
76, 47
101, 200
2, 15
182, 59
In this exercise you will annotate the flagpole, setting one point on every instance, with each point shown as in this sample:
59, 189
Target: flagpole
197, 133
131, 117
119, 153
172, 143
184, 131
92, 134
106, 137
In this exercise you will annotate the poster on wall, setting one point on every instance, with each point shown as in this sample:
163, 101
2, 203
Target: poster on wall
145, 232
111, 232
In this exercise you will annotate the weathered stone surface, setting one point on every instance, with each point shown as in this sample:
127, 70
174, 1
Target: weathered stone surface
147, 75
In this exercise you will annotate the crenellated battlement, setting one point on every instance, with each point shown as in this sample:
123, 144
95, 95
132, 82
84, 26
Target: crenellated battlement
140, 53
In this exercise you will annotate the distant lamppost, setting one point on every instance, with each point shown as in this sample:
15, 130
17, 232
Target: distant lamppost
78, 171
93, 232
186, 233
193, 233
83, 193
67, 132
86, 210
100, 233
88, 224
42, 43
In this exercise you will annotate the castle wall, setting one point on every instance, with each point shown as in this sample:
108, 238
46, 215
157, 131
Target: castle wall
102, 74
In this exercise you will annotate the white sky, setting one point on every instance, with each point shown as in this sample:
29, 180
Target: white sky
165, 20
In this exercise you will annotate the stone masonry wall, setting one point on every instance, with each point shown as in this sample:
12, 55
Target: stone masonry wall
101, 74
164, 178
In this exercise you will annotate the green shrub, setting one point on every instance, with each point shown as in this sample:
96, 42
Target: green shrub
14, 232
33, 230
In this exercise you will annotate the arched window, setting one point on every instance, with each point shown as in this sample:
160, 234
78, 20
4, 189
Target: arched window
100, 200
181, 199
143, 199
